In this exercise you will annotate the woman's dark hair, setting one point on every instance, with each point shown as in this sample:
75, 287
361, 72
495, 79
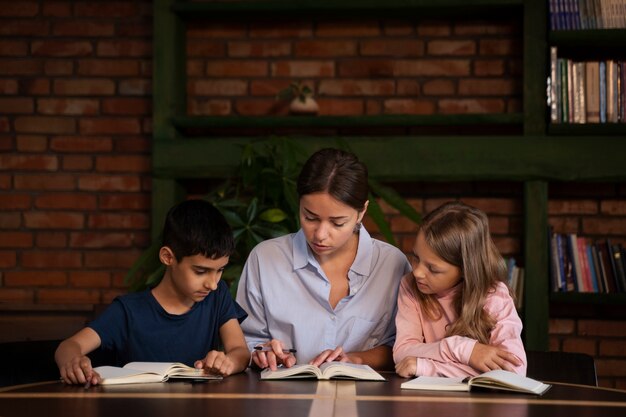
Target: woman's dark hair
337, 172
196, 227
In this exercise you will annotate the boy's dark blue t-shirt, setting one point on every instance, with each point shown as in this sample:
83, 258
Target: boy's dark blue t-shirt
137, 328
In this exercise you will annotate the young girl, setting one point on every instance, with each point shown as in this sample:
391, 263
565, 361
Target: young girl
455, 315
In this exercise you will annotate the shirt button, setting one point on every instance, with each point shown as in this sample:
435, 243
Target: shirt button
333, 318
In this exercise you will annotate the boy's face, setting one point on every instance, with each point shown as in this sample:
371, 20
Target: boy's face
194, 277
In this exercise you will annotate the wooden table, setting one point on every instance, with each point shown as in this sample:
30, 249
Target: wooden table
244, 395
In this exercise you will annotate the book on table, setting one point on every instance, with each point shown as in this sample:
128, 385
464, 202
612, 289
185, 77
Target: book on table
148, 372
496, 380
328, 370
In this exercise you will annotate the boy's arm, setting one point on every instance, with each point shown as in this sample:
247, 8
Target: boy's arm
70, 356
235, 345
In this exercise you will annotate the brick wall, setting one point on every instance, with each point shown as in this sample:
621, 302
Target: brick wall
75, 107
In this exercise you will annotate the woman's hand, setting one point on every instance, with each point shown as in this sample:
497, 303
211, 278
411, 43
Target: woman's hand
274, 356
337, 354
407, 367
485, 358
79, 371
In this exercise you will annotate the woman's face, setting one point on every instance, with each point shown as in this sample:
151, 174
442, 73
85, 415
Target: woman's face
328, 223
432, 274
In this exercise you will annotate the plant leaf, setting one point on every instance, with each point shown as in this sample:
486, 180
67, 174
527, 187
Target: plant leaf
377, 215
391, 197
273, 215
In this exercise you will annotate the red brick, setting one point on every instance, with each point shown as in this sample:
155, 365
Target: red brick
10, 220
77, 163
259, 107
499, 225
119, 9
499, 47
285, 30
613, 207
409, 106
8, 87
137, 87
235, 69
57, 9
489, 67
84, 87
109, 183
53, 220
45, 182
8, 259
35, 278
325, 48
68, 296
35, 86
76, 201
90, 279
612, 348
133, 144
25, 27
562, 326
119, 221
126, 48
108, 68
86, 144
59, 67
499, 206
393, 27
439, 88
604, 226
506, 245
126, 106
610, 367
76, 28
356, 88
562, 207
104, 126
61, 49
433, 28
15, 105
454, 106
51, 240
408, 88
341, 107
393, 48
111, 259
16, 239
564, 224
13, 48
128, 163
68, 106
44, 124
19, 9
271, 87
31, 143
216, 30
205, 48
51, 259
101, 240
576, 344
603, 328
488, 87
29, 162
7, 143
348, 28
16, 296
124, 202
219, 87
257, 49
299, 69
15, 201
451, 47
504, 27
373, 107
210, 107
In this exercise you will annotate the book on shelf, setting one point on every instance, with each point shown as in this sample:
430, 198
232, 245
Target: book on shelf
327, 370
592, 90
150, 372
586, 14
618, 267
494, 380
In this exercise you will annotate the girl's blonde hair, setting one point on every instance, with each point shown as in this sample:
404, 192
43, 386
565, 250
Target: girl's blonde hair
459, 234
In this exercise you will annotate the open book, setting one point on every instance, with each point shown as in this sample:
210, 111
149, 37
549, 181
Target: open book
497, 380
146, 372
326, 370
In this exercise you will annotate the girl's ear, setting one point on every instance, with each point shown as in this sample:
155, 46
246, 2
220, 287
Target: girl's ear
166, 256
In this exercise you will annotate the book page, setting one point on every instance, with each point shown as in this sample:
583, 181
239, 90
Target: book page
162, 368
436, 383
510, 381
296, 371
349, 370
113, 375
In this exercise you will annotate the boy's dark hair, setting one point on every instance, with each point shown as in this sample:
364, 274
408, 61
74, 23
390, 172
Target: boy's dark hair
337, 172
196, 227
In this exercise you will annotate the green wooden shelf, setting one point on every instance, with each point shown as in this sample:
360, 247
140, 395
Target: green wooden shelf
194, 10
200, 122
571, 129
588, 298
586, 38
435, 158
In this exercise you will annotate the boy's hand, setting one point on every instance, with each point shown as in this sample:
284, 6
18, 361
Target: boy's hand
407, 367
485, 358
274, 357
216, 362
79, 371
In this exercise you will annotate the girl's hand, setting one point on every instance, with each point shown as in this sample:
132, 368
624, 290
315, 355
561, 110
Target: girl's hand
407, 367
274, 357
216, 362
330, 355
485, 358
79, 371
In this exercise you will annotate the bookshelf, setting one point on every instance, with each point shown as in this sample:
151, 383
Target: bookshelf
534, 157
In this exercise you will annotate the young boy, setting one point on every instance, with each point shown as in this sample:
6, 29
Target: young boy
183, 318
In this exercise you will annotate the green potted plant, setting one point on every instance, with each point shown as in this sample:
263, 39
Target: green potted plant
260, 202
301, 96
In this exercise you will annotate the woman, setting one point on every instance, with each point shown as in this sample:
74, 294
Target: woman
329, 291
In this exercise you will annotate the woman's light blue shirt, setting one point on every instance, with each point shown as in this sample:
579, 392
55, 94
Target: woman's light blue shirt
285, 292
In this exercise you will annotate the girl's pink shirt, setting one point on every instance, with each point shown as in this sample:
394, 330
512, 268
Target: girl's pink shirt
438, 355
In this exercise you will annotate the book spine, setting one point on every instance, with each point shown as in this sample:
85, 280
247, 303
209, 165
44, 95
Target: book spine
572, 247
554, 114
592, 93
602, 72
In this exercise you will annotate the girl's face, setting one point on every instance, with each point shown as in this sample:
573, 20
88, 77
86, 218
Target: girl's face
432, 274
328, 223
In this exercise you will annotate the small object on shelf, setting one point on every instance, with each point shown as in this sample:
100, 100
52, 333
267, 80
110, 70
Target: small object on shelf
301, 96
